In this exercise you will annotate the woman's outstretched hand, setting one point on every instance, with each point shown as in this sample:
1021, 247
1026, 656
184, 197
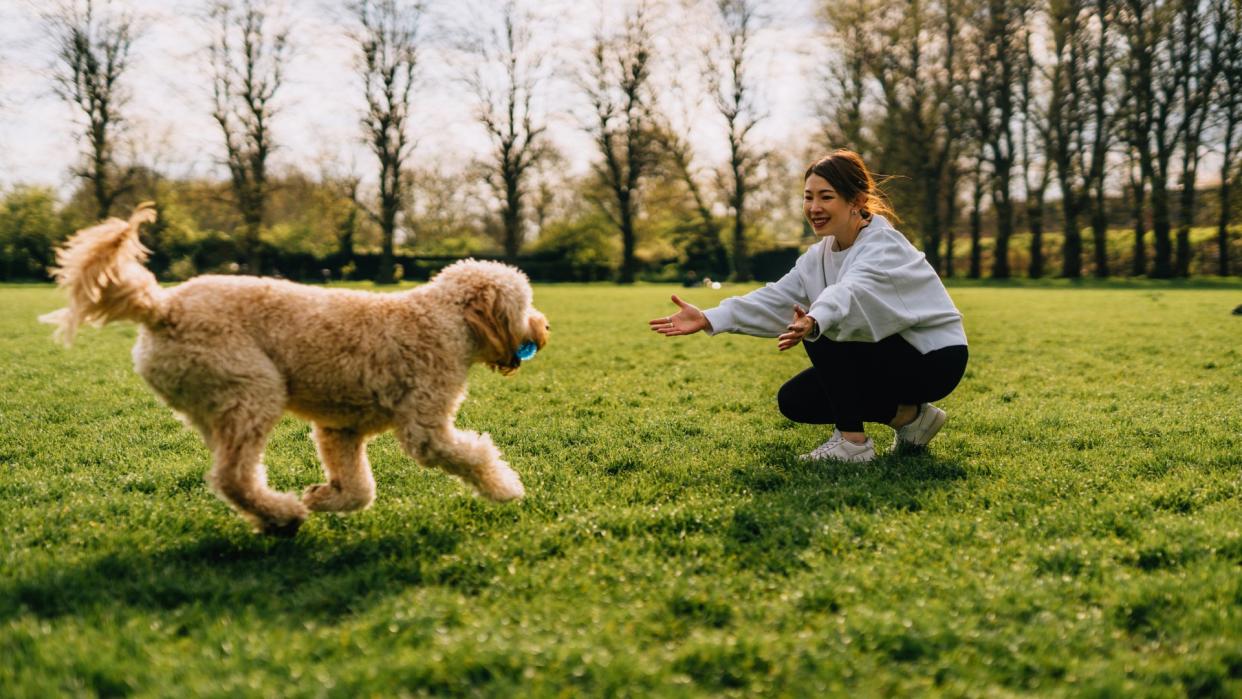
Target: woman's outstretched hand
798, 329
687, 321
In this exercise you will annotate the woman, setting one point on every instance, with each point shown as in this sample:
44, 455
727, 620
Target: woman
884, 338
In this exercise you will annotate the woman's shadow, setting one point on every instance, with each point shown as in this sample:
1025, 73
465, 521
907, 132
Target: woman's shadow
788, 500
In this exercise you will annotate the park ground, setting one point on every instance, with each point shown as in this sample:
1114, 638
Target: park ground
1076, 530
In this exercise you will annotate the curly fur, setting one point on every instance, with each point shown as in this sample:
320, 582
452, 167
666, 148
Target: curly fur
232, 354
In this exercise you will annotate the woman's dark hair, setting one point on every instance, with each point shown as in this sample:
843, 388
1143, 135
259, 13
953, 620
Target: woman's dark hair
849, 176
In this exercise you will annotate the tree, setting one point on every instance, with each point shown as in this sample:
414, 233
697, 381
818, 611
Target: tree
1229, 102
1151, 91
841, 109
705, 252
1067, 123
93, 55
388, 41
1034, 138
618, 88
1101, 125
248, 57
920, 85
1196, 57
732, 91
1002, 28
505, 79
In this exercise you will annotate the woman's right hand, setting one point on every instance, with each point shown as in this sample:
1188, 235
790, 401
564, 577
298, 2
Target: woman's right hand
687, 321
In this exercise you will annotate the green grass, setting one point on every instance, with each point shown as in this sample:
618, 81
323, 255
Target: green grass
1075, 530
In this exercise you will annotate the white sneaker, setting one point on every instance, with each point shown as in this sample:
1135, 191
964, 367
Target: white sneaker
920, 431
841, 449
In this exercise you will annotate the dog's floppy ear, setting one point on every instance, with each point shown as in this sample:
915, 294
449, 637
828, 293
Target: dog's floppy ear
489, 317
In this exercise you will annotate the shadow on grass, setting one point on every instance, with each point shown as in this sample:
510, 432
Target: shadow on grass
305, 577
789, 498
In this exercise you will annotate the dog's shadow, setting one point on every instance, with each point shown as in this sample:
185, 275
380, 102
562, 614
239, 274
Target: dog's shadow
306, 577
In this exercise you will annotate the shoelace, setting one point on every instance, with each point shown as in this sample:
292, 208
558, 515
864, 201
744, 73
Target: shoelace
826, 447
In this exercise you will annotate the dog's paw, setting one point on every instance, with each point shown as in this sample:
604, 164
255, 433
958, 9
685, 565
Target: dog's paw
502, 484
328, 497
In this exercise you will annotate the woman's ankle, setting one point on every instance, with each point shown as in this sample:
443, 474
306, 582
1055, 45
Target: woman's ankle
855, 437
906, 414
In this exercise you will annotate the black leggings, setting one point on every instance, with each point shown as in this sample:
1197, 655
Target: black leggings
850, 383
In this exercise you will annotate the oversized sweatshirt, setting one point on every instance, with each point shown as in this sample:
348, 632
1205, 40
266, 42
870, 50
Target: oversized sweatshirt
879, 286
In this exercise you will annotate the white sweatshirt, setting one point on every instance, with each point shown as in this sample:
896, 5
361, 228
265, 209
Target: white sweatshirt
879, 286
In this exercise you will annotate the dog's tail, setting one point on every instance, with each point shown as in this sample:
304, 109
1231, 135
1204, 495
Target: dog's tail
101, 269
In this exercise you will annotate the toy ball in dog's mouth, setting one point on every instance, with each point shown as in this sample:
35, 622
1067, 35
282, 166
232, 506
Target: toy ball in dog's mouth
527, 350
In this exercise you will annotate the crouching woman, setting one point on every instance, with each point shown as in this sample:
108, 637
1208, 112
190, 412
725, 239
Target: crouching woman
883, 336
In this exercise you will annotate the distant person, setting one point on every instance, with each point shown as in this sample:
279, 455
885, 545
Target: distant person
884, 338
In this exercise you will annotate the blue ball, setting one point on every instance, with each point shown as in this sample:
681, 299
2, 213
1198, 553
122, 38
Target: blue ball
527, 350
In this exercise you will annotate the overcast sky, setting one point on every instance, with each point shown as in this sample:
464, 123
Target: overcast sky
321, 100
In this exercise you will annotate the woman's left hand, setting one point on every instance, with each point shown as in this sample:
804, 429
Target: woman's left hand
798, 329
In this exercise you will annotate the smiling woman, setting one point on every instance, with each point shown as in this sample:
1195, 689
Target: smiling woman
883, 336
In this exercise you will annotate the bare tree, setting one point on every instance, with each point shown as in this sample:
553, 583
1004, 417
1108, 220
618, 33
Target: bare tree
921, 89
1196, 57
248, 56
1151, 93
1067, 122
505, 79
388, 39
1101, 125
92, 55
676, 145
1229, 104
732, 89
618, 88
1002, 26
841, 108
1034, 139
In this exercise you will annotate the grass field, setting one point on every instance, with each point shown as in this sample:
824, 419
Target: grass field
1075, 530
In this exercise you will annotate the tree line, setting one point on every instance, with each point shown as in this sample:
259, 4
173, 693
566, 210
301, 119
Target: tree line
1003, 121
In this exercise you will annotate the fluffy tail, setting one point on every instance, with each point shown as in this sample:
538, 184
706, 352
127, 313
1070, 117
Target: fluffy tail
101, 269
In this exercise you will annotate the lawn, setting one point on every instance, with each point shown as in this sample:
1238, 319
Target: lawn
1075, 530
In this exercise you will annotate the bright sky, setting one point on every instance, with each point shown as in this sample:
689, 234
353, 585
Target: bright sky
320, 103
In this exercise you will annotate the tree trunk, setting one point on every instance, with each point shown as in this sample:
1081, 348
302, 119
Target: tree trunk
950, 220
1035, 216
1187, 203
976, 235
1140, 227
1004, 229
931, 219
1099, 231
628, 264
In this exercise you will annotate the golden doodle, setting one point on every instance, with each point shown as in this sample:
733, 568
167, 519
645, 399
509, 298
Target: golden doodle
230, 354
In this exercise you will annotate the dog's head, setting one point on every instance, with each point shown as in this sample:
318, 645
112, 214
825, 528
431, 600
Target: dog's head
496, 305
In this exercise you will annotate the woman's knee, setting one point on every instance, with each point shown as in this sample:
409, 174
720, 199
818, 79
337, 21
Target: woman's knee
799, 404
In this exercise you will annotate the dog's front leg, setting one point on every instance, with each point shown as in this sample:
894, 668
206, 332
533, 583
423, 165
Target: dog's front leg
350, 484
468, 455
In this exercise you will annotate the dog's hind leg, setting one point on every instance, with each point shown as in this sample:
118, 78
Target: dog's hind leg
237, 474
350, 484
467, 455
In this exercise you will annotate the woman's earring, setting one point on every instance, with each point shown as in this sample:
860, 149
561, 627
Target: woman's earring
853, 212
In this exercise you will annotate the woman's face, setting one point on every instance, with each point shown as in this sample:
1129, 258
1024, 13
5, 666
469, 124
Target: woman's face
826, 211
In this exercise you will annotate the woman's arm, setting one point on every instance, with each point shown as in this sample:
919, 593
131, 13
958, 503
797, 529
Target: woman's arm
763, 312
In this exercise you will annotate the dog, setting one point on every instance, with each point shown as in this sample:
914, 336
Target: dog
231, 354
